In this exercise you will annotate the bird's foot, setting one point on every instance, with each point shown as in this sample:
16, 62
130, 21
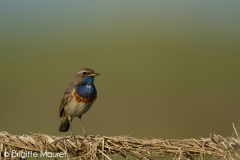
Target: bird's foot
73, 137
85, 135
89, 137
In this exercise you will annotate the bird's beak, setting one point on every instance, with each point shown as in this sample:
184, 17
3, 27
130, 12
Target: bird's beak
94, 74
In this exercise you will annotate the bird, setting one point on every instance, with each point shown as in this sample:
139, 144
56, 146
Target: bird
78, 98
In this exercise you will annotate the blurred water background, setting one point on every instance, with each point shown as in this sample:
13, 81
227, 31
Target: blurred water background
169, 69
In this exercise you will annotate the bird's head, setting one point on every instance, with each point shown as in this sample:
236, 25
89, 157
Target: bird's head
84, 75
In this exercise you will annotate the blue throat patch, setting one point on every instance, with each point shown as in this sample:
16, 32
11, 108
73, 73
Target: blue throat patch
87, 89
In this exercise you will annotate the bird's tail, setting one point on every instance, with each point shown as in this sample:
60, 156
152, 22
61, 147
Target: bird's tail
64, 126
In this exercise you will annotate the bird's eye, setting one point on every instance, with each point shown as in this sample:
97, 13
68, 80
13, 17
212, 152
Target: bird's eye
84, 73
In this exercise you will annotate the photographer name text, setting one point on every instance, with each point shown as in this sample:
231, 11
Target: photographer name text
26, 154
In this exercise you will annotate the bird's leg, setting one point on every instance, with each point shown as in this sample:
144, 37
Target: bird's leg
85, 134
70, 122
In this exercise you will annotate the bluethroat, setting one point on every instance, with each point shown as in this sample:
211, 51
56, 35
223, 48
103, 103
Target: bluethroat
78, 98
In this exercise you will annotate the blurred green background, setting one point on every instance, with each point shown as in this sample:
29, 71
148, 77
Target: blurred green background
169, 69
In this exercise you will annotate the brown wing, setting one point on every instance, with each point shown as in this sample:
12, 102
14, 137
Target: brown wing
65, 100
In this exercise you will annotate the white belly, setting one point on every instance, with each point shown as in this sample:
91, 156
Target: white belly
75, 109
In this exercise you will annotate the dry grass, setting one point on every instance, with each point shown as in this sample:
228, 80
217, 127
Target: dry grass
97, 147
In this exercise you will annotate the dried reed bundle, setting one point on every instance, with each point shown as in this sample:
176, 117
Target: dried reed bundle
97, 147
